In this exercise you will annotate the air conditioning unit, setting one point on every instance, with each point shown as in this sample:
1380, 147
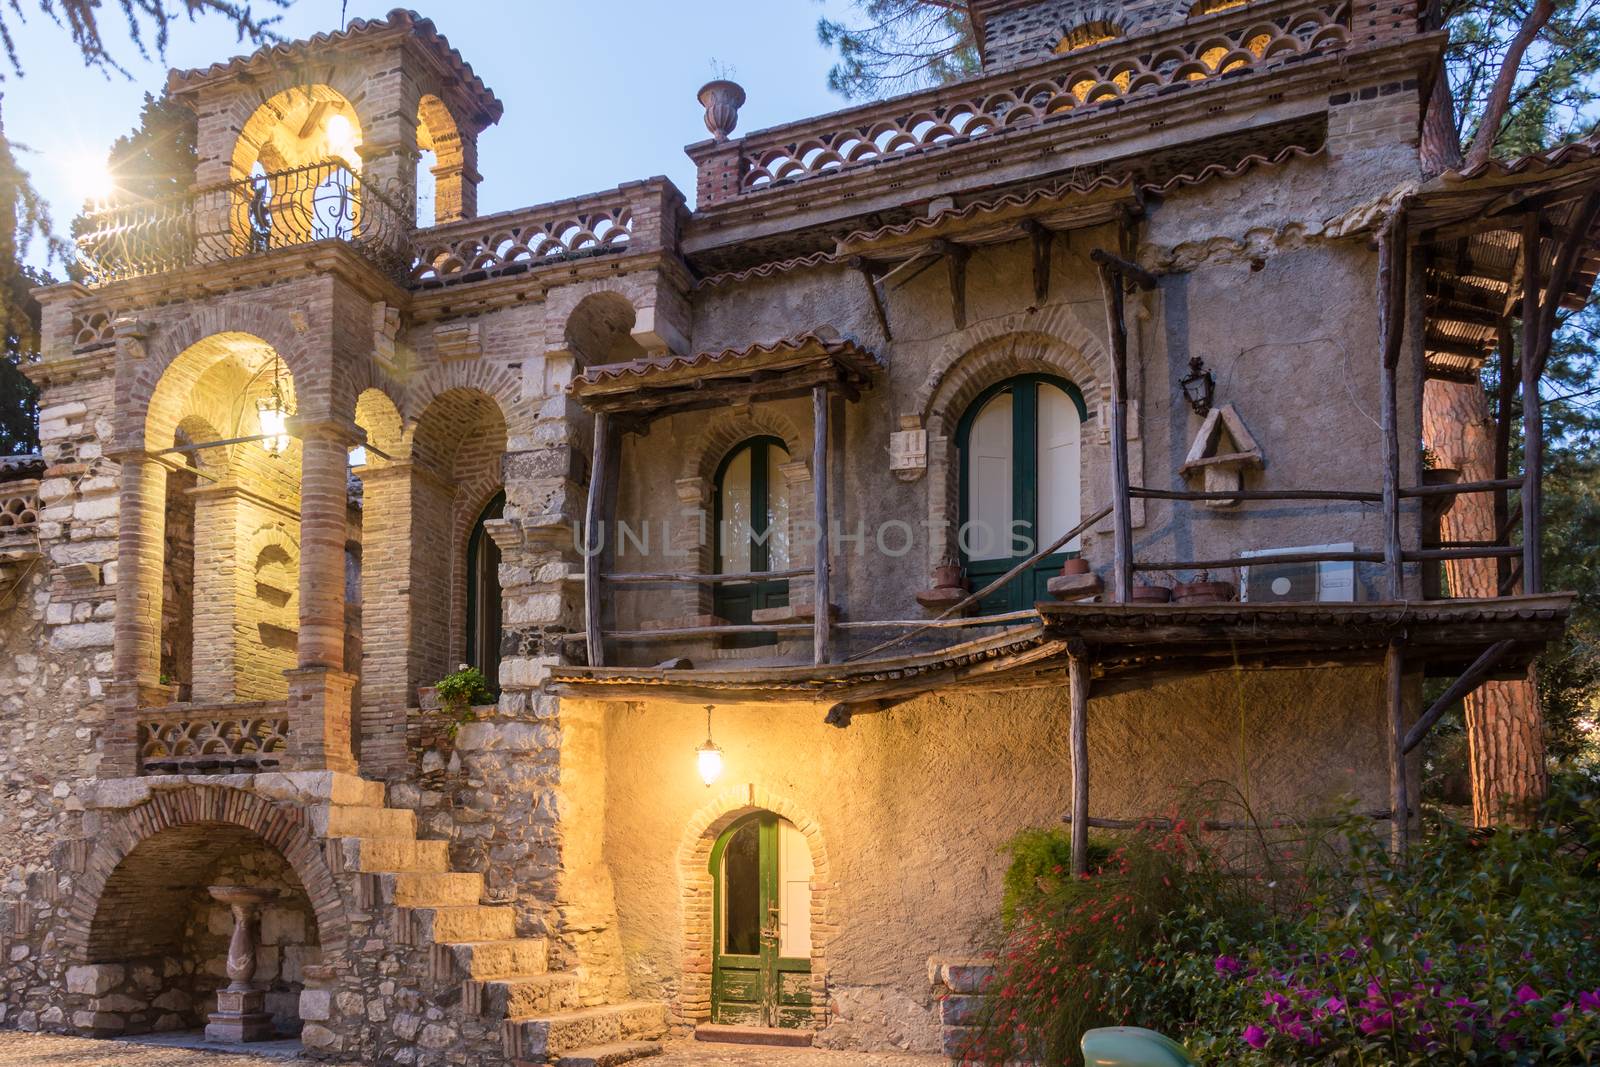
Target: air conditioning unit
1272, 583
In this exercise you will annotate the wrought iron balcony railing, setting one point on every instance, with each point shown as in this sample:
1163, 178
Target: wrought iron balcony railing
318, 202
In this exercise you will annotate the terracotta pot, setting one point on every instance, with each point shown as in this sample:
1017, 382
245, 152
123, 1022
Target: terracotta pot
1203, 593
1075, 566
948, 577
1151, 594
722, 100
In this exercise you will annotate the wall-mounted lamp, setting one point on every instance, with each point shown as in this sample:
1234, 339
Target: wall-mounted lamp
1199, 387
708, 757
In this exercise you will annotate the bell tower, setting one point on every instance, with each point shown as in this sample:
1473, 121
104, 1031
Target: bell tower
372, 97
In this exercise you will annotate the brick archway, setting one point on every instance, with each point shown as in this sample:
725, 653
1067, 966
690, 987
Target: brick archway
282, 828
693, 1004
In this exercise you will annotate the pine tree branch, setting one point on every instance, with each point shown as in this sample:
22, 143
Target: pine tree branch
1498, 103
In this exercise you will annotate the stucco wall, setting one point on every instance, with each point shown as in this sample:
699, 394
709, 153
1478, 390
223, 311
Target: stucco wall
913, 806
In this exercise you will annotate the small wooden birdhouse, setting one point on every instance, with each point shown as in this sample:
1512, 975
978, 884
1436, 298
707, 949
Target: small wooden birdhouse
1222, 451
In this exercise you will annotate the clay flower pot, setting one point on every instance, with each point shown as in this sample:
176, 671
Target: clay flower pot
1075, 566
722, 100
1151, 594
1203, 592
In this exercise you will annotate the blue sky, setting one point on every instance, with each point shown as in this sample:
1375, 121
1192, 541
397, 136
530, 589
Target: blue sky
596, 93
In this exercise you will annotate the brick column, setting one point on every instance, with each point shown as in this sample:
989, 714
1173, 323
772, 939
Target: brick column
385, 614
213, 673
320, 691
141, 532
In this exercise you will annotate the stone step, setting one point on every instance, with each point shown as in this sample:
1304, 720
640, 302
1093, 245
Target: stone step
432, 889
483, 960
475, 923
550, 1037
521, 996
341, 820
383, 854
609, 1055
753, 1035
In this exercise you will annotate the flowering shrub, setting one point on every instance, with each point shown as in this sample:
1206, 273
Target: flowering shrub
1280, 946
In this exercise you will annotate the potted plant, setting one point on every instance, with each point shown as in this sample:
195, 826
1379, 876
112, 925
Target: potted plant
1151, 591
1203, 591
457, 693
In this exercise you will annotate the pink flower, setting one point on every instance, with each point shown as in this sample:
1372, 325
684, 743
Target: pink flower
1255, 1037
1589, 1001
1373, 1023
1228, 965
1526, 994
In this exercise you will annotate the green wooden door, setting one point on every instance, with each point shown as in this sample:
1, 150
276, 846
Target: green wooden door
751, 520
753, 983
1020, 445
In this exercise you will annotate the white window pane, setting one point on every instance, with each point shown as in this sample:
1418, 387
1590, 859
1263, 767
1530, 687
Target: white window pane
989, 464
735, 527
794, 889
1060, 472
777, 510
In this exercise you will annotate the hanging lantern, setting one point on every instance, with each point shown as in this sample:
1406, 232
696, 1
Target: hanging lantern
708, 757
1199, 386
273, 412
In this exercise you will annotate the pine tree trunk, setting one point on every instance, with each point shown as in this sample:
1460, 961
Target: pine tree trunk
1505, 726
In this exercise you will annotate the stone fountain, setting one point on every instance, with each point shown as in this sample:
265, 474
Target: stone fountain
241, 1008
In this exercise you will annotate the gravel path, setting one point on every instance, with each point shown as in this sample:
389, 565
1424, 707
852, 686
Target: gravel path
47, 1050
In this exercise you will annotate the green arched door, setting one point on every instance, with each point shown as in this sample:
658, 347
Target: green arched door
761, 924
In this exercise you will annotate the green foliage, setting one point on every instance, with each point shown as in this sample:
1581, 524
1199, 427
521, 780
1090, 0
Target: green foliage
458, 692
1040, 860
147, 22
897, 45
1280, 945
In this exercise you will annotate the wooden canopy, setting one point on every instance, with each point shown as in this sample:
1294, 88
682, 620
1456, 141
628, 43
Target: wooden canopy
667, 385
1471, 227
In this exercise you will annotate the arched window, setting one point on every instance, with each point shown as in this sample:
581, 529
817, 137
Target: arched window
1021, 484
752, 529
483, 595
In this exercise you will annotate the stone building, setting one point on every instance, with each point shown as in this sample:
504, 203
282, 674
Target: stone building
791, 480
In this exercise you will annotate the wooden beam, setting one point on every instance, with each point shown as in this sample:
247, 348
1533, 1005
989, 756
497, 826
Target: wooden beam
1078, 684
1563, 270
821, 616
1121, 502
1419, 555
1532, 416
1470, 679
594, 539
1042, 240
1353, 495
1161, 822
673, 576
1391, 303
878, 310
1395, 736
955, 257
1266, 561
1129, 270
1458, 488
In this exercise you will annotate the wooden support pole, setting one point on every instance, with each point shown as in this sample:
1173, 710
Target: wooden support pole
1128, 269
1042, 240
1506, 392
1391, 329
1394, 691
878, 310
1078, 677
821, 617
1121, 501
594, 539
1470, 679
955, 257
1532, 416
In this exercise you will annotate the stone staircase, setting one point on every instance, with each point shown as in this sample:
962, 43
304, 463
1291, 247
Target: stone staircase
505, 984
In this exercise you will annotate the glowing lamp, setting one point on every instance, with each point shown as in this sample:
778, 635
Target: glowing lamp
708, 757
274, 423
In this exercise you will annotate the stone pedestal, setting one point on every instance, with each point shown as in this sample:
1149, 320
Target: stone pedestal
241, 1008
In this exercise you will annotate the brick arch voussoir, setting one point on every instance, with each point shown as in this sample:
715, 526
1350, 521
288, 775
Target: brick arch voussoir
497, 382
727, 429
1055, 341
281, 827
